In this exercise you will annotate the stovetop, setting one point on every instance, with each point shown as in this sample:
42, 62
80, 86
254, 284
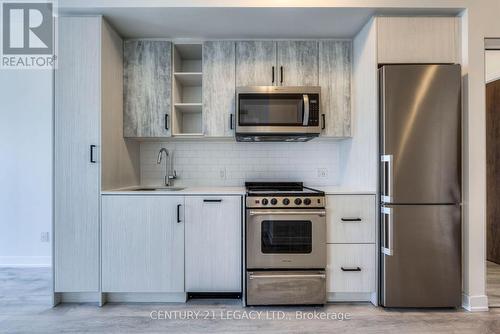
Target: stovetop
283, 195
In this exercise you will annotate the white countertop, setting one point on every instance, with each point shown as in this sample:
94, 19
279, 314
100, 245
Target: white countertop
329, 190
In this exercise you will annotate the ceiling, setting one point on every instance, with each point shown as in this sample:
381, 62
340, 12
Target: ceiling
240, 23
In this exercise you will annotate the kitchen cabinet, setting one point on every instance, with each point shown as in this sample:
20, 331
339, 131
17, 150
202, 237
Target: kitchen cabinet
218, 88
142, 243
147, 88
77, 162
213, 243
256, 63
297, 63
418, 40
335, 61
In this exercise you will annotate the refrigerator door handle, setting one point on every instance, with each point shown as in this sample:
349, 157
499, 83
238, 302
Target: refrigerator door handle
387, 231
387, 185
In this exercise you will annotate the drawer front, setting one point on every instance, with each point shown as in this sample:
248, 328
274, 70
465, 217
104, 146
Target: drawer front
350, 219
351, 268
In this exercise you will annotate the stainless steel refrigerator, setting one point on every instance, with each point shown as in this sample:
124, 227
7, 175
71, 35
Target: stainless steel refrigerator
420, 185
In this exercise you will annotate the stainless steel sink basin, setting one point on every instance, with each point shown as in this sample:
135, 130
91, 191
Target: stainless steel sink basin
159, 189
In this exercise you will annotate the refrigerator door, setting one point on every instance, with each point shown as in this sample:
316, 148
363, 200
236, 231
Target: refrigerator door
421, 256
420, 126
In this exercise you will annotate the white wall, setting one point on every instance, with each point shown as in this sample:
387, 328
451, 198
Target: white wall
26, 166
492, 65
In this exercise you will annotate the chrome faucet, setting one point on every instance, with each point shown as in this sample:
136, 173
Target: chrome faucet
168, 177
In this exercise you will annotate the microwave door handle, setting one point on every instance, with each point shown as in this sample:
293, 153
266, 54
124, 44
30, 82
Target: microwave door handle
306, 110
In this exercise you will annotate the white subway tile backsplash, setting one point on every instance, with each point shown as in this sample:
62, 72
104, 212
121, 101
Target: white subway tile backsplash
220, 163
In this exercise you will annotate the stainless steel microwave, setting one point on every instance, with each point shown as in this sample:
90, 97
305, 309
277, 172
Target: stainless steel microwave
274, 113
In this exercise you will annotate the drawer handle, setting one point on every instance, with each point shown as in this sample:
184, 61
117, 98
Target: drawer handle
350, 268
289, 276
212, 200
350, 219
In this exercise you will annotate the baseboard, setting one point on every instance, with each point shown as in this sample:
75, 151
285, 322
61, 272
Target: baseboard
77, 297
349, 297
25, 261
145, 297
475, 303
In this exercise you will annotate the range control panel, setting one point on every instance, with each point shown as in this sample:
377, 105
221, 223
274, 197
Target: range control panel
285, 202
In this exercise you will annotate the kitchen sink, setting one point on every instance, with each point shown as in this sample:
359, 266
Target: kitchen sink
159, 189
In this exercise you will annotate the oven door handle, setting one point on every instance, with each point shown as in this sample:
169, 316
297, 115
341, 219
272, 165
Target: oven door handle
305, 121
321, 213
252, 276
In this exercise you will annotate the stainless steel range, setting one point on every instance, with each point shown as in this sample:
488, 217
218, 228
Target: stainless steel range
285, 244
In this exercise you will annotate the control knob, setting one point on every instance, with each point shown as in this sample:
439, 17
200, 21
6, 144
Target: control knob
298, 201
274, 201
307, 201
265, 201
286, 201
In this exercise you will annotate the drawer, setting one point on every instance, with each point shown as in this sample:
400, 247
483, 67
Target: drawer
351, 268
350, 219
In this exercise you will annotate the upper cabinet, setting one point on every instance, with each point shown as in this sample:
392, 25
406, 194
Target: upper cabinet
418, 40
335, 61
297, 63
218, 88
147, 88
256, 63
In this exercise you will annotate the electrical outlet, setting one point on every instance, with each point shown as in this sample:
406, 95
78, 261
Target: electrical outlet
44, 237
322, 173
222, 173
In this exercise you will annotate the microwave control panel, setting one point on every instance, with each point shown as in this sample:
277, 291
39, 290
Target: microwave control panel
313, 109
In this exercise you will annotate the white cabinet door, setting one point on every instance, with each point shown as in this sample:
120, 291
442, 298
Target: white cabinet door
418, 39
142, 243
335, 60
297, 63
256, 63
213, 244
76, 149
351, 218
218, 88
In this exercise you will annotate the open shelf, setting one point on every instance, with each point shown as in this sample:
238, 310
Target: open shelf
189, 78
188, 107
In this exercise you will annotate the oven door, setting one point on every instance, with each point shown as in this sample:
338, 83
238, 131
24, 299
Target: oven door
288, 239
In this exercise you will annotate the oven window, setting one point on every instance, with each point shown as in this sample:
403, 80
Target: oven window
286, 236
271, 109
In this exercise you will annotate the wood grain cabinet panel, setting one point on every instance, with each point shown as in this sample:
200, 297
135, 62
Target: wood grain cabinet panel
213, 244
142, 244
335, 61
299, 60
351, 218
76, 178
147, 88
219, 82
254, 63
418, 40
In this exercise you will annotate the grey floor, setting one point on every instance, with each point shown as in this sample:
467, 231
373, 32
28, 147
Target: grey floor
493, 284
25, 308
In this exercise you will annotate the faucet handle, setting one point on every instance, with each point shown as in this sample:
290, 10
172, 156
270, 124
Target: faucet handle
173, 176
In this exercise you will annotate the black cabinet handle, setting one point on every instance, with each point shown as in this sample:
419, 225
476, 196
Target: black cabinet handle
350, 219
166, 121
273, 75
231, 121
212, 200
92, 160
350, 268
324, 121
281, 74
179, 213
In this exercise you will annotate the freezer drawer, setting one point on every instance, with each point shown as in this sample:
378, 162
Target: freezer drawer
286, 287
421, 256
350, 218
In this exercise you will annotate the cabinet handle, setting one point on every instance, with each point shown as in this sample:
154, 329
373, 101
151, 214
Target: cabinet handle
281, 74
273, 75
92, 160
231, 121
324, 121
179, 213
350, 268
166, 121
212, 200
350, 219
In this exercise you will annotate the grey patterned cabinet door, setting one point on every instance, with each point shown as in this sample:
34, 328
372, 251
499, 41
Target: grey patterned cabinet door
147, 88
254, 63
218, 88
297, 63
335, 60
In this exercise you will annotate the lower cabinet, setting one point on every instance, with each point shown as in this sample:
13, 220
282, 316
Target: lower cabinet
142, 243
213, 243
